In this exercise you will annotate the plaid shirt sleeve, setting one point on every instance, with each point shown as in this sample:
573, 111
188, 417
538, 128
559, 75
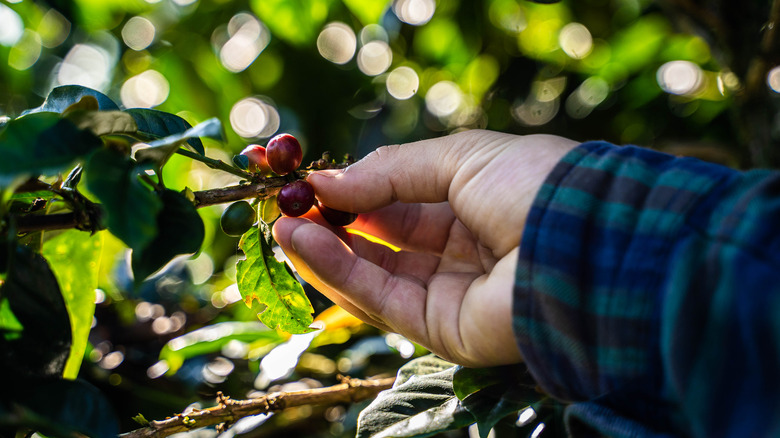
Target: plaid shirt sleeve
648, 294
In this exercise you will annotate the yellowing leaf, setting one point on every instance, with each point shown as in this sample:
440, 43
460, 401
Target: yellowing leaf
265, 281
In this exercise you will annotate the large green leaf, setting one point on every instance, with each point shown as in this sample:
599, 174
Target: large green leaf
268, 282
74, 256
418, 405
211, 339
60, 98
104, 122
33, 297
131, 209
57, 407
41, 143
180, 231
155, 124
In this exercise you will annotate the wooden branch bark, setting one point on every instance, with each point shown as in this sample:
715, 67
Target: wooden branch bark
229, 411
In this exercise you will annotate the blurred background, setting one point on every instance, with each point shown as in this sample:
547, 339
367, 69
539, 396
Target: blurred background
345, 76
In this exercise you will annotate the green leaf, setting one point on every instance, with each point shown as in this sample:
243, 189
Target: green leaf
367, 11
180, 231
104, 122
267, 281
211, 339
421, 366
131, 209
57, 407
491, 394
41, 143
60, 98
297, 22
155, 124
74, 257
35, 300
422, 405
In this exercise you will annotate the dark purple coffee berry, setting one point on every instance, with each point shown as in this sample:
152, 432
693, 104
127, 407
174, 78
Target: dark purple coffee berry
337, 218
295, 198
284, 154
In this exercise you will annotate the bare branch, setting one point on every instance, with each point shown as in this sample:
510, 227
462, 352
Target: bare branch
229, 411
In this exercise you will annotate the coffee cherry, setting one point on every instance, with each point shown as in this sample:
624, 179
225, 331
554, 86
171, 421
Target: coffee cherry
284, 154
337, 218
295, 198
258, 162
237, 218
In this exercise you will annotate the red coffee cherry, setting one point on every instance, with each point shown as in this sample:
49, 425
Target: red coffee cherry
295, 198
258, 162
284, 154
337, 218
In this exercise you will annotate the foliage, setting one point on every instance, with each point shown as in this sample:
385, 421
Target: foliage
111, 130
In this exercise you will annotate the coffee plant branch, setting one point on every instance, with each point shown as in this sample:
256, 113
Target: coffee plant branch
60, 221
228, 411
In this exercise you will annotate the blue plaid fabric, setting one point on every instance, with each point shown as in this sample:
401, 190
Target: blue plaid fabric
648, 294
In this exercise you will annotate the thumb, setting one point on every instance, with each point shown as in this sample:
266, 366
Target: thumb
412, 172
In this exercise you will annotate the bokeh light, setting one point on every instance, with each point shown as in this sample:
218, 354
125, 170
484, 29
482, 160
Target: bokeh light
25, 53
138, 33
679, 77
773, 79
145, 90
443, 98
575, 40
534, 112
253, 118
86, 64
53, 29
373, 32
414, 12
586, 97
375, 58
402, 83
11, 26
248, 37
337, 43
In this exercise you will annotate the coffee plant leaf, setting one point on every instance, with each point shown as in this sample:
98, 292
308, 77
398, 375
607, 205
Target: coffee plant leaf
32, 296
42, 143
103, 122
155, 124
58, 407
60, 98
180, 231
212, 339
265, 281
74, 257
420, 406
131, 209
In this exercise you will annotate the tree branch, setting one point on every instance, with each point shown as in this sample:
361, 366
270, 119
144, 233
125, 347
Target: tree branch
229, 411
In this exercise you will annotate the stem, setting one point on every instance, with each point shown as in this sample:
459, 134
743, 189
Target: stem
215, 164
229, 411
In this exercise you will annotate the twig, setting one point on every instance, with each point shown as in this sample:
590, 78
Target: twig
229, 411
215, 164
61, 221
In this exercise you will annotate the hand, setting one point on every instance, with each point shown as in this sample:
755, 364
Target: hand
456, 206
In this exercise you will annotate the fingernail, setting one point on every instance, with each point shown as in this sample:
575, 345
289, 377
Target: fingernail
329, 173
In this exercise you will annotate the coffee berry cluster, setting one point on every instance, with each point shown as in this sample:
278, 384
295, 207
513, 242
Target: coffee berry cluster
282, 156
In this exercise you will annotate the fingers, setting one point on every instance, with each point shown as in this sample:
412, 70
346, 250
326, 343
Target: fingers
370, 292
413, 172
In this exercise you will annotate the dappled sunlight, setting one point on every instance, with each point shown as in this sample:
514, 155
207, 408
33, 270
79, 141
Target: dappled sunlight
88, 65
575, 39
443, 98
414, 12
253, 118
138, 33
11, 26
679, 77
25, 53
773, 79
588, 95
374, 58
402, 83
337, 43
247, 39
145, 90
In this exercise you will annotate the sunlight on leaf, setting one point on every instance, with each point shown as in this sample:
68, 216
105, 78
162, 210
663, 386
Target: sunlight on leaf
74, 257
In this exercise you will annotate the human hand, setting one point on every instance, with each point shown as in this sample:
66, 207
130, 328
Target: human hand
456, 206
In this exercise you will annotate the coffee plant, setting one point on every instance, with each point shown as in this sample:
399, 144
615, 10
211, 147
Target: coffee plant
79, 166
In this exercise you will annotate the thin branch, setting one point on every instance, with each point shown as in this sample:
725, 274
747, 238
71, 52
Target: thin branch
229, 411
215, 164
60, 221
